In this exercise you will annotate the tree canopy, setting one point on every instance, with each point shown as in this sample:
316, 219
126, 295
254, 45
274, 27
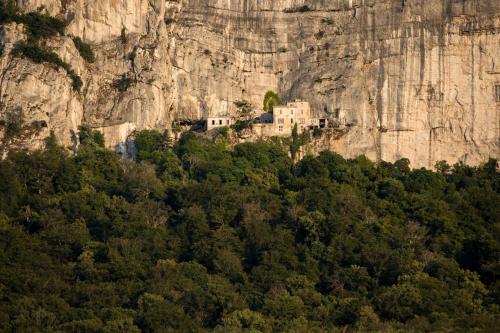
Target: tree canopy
200, 237
271, 99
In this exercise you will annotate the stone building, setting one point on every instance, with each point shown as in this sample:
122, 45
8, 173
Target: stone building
219, 121
283, 119
286, 116
280, 122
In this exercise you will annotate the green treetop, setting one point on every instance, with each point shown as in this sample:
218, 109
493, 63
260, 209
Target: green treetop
271, 99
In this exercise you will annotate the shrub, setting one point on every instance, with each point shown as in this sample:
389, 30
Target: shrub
132, 55
41, 25
38, 124
271, 99
240, 125
38, 25
84, 49
123, 83
88, 136
148, 142
169, 20
244, 107
300, 9
36, 54
224, 131
320, 34
77, 81
12, 129
39, 55
8, 11
123, 36
297, 141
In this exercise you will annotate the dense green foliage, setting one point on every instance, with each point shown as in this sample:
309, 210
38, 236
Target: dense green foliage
240, 125
40, 55
200, 237
271, 99
8, 10
84, 49
244, 109
296, 141
42, 25
38, 25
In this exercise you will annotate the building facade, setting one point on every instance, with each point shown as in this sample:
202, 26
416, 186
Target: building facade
285, 117
219, 121
278, 123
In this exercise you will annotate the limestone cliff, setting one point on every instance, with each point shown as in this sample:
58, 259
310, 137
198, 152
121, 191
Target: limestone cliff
411, 78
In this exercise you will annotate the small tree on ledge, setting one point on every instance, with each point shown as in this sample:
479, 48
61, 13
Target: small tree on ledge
244, 109
271, 99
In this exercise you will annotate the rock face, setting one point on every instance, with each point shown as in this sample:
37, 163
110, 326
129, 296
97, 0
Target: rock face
411, 78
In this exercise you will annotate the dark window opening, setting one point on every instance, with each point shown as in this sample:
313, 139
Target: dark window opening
497, 93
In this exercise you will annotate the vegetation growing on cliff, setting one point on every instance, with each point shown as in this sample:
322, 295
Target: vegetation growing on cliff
296, 141
84, 49
299, 9
123, 83
241, 125
200, 238
41, 55
271, 99
39, 26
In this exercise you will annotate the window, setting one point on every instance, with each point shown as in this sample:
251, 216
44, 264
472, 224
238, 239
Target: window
227, 122
497, 93
291, 111
220, 121
213, 122
302, 121
280, 128
291, 120
281, 111
281, 120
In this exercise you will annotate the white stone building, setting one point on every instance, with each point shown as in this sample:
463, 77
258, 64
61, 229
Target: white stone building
219, 121
278, 123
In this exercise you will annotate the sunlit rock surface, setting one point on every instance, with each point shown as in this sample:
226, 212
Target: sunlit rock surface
410, 78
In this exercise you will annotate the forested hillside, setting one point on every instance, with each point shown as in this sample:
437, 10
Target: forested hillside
200, 237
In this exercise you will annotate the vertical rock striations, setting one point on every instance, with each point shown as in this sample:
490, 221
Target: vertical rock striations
413, 78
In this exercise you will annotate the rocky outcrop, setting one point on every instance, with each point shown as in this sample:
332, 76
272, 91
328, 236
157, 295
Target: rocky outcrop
411, 78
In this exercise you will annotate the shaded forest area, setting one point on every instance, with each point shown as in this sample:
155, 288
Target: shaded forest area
201, 237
